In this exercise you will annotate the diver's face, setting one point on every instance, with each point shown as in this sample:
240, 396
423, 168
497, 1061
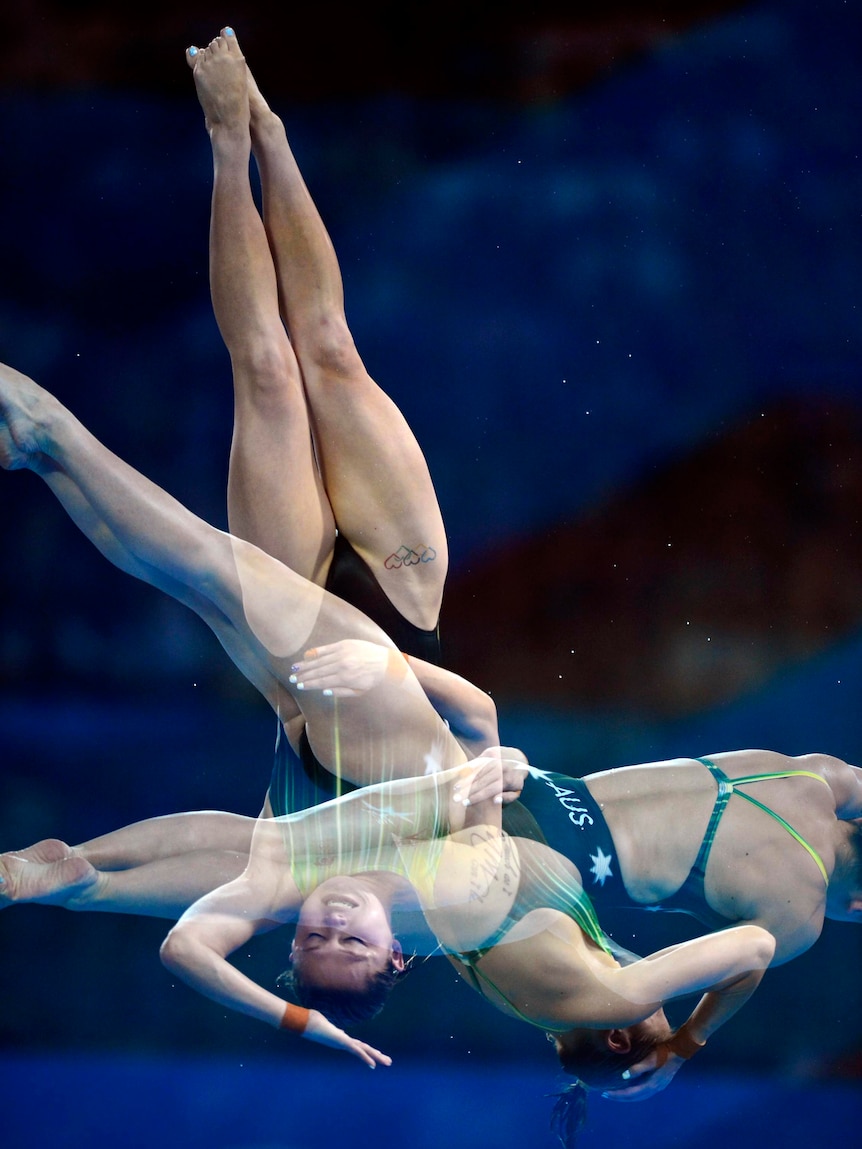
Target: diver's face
343, 936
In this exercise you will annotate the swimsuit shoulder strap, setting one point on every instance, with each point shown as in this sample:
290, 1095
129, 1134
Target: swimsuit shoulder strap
732, 785
722, 797
477, 979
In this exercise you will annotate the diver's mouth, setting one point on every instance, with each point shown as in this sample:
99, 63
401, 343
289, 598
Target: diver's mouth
341, 903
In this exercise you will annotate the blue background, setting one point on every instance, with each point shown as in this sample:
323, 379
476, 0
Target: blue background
585, 286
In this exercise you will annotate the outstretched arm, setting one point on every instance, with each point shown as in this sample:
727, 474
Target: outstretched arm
198, 946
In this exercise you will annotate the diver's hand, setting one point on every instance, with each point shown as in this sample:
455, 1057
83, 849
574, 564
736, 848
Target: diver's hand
320, 1029
498, 772
485, 784
347, 668
515, 767
657, 1071
478, 781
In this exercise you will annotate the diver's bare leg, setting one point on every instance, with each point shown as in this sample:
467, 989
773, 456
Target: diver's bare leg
162, 889
275, 493
264, 614
376, 476
169, 836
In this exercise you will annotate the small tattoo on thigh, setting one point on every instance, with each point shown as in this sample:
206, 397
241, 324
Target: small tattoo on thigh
410, 557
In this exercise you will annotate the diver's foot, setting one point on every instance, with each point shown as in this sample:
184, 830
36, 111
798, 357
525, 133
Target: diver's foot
48, 850
22, 406
258, 108
48, 883
221, 81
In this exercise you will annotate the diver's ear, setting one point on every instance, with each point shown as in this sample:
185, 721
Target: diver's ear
292, 950
855, 904
619, 1040
397, 955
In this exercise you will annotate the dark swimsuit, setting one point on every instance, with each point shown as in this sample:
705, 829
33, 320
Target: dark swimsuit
561, 812
572, 823
298, 780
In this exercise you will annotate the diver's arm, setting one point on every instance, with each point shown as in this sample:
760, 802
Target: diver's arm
262, 897
711, 963
198, 946
362, 829
721, 1001
712, 1011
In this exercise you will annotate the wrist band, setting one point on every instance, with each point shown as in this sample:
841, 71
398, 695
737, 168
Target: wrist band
295, 1018
683, 1044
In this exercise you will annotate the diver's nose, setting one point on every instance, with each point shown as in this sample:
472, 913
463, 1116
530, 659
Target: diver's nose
335, 919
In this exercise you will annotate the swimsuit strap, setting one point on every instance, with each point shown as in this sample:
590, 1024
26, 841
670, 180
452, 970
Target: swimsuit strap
471, 961
776, 774
557, 892
725, 790
729, 785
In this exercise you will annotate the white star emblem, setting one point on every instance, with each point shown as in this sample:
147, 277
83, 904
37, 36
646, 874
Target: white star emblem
601, 867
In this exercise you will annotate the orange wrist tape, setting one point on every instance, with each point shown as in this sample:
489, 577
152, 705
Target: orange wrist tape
295, 1018
683, 1044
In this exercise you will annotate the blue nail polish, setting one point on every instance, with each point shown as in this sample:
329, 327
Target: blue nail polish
300, 686
292, 680
193, 51
327, 694
228, 31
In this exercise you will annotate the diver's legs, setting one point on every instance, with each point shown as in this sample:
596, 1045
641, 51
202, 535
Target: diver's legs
264, 614
164, 888
376, 477
275, 494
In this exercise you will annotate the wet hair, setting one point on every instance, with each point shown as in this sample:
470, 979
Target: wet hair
569, 1113
343, 1006
587, 1057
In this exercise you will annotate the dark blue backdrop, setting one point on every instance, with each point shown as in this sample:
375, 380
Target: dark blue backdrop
562, 297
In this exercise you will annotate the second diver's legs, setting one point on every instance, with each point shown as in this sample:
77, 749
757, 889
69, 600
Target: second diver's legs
163, 888
375, 474
264, 613
275, 494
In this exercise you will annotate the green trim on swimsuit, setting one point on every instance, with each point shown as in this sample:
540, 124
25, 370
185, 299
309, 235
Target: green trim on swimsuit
548, 890
728, 786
